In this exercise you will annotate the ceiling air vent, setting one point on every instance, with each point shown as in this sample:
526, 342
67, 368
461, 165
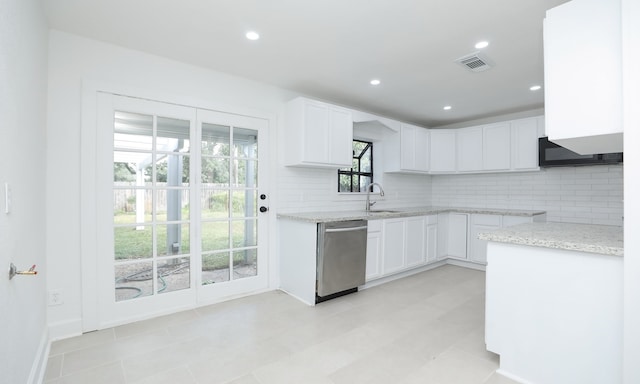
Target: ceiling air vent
475, 62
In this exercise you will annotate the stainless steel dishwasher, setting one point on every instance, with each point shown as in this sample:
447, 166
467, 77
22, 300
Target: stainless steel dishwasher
341, 258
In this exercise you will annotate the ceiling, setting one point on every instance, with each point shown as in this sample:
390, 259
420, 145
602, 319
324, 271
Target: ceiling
331, 49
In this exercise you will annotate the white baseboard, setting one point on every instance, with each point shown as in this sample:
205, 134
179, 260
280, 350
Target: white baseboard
512, 377
39, 366
466, 264
400, 275
65, 329
296, 297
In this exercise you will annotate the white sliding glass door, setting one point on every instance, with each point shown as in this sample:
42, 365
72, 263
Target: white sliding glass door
178, 223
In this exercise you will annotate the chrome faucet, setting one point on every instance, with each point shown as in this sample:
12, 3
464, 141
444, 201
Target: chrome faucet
369, 188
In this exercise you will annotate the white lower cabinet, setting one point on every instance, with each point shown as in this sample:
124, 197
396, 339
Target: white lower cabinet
432, 238
508, 221
415, 240
458, 234
479, 224
393, 245
399, 244
374, 250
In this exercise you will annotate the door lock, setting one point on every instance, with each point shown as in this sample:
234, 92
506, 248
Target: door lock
263, 209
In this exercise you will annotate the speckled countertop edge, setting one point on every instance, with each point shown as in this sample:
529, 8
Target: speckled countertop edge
323, 217
601, 239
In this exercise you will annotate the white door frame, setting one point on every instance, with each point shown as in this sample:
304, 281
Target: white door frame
88, 181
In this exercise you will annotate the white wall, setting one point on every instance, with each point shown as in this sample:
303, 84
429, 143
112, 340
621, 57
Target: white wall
591, 195
72, 60
23, 86
631, 122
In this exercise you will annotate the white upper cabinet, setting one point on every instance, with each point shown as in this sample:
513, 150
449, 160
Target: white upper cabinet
407, 151
506, 146
469, 149
583, 76
524, 143
496, 145
442, 150
318, 134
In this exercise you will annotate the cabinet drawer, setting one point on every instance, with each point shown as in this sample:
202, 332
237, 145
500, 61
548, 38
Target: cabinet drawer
493, 220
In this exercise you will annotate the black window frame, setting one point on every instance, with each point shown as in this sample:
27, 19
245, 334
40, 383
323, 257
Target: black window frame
359, 173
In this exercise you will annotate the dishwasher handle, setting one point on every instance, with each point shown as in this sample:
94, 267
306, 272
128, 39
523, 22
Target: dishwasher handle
329, 230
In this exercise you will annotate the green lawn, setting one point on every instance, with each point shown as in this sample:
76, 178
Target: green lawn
130, 243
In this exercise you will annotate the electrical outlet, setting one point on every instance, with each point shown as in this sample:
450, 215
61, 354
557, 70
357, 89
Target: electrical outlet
55, 297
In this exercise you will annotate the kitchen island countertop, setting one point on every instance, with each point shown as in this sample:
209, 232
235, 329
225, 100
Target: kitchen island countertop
602, 239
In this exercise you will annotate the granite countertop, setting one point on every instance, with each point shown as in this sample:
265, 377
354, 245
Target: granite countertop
386, 213
602, 239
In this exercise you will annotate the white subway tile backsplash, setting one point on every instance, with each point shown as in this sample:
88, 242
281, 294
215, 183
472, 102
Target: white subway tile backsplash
568, 194
591, 194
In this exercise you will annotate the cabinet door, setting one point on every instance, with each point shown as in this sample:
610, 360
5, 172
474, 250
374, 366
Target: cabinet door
457, 236
340, 136
524, 143
421, 149
432, 242
442, 151
317, 134
414, 148
442, 245
415, 241
374, 254
407, 147
469, 148
393, 246
479, 224
583, 102
496, 145
315, 138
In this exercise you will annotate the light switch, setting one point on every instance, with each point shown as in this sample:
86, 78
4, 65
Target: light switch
7, 198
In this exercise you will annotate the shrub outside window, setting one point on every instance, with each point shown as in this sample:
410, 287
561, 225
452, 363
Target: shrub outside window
356, 178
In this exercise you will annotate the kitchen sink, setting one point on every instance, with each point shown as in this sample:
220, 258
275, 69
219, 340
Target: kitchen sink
384, 211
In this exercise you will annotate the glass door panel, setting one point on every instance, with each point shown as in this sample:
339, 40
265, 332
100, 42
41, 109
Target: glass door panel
236, 190
151, 204
229, 210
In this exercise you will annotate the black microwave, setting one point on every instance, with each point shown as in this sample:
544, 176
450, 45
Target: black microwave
553, 155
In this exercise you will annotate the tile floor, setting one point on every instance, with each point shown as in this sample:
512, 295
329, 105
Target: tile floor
427, 328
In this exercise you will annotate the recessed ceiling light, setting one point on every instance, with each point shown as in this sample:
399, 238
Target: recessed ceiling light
446, 107
535, 87
252, 35
482, 44
375, 82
